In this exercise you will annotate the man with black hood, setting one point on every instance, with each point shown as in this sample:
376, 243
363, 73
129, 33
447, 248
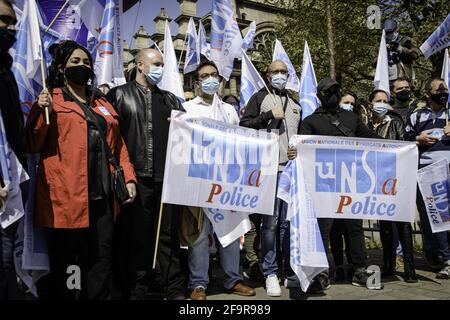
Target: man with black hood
331, 120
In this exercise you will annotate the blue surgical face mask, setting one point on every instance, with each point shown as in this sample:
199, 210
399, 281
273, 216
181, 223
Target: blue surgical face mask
380, 109
210, 85
154, 75
346, 106
279, 81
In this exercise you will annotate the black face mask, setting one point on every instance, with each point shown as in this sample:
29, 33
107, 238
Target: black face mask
7, 38
403, 95
440, 98
79, 75
331, 101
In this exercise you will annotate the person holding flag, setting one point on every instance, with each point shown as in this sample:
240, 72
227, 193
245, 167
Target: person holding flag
74, 197
429, 127
274, 110
209, 105
331, 120
144, 110
14, 133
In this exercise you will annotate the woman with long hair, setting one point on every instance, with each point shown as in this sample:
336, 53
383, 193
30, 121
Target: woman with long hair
74, 197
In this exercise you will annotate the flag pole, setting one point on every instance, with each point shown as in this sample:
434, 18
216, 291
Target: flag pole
184, 45
44, 86
157, 234
275, 104
57, 15
446, 113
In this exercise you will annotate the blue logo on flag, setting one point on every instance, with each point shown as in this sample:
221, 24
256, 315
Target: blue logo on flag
223, 159
441, 196
355, 171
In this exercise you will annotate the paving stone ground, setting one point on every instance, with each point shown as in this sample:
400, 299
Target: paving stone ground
428, 287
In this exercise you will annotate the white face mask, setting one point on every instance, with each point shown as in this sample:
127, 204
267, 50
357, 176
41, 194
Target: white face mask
346, 106
380, 109
154, 74
279, 81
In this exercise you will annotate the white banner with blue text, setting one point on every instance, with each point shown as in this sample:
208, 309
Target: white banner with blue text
355, 178
212, 164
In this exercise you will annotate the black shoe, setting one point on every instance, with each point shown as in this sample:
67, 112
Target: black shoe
319, 285
360, 279
410, 273
339, 275
410, 277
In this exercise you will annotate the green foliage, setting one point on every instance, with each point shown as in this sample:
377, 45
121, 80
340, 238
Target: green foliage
356, 45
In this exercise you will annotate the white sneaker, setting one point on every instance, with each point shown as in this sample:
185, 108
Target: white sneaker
273, 286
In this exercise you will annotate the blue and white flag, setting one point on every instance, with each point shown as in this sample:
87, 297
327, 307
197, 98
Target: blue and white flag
77, 19
226, 167
434, 184
249, 37
171, 80
13, 174
446, 70
30, 254
28, 56
251, 81
308, 257
382, 75
280, 54
108, 62
192, 50
360, 178
227, 225
308, 85
226, 38
204, 46
438, 40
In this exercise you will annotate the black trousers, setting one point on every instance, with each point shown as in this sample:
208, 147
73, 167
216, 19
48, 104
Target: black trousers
339, 236
90, 250
387, 240
9, 289
135, 238
357, 247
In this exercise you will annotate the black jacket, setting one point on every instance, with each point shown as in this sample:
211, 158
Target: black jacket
391, 130
320, 124
10, 107
144, 125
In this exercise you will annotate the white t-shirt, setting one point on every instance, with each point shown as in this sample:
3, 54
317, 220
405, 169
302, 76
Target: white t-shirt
200, 108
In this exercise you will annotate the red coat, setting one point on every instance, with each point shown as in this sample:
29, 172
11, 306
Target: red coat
62, 199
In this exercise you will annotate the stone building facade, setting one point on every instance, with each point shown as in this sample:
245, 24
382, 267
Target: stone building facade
264, 12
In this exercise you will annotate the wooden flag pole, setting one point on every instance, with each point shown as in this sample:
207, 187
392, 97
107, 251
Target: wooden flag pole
157, 234
57, 15
44, 86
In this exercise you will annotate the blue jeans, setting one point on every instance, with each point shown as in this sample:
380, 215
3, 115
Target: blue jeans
198, 257
270, 245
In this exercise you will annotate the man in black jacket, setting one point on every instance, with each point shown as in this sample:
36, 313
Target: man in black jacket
330, 120
277, 111
14, 126
144, 110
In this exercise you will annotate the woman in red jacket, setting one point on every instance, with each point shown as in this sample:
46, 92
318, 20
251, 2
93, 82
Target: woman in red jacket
74, 197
